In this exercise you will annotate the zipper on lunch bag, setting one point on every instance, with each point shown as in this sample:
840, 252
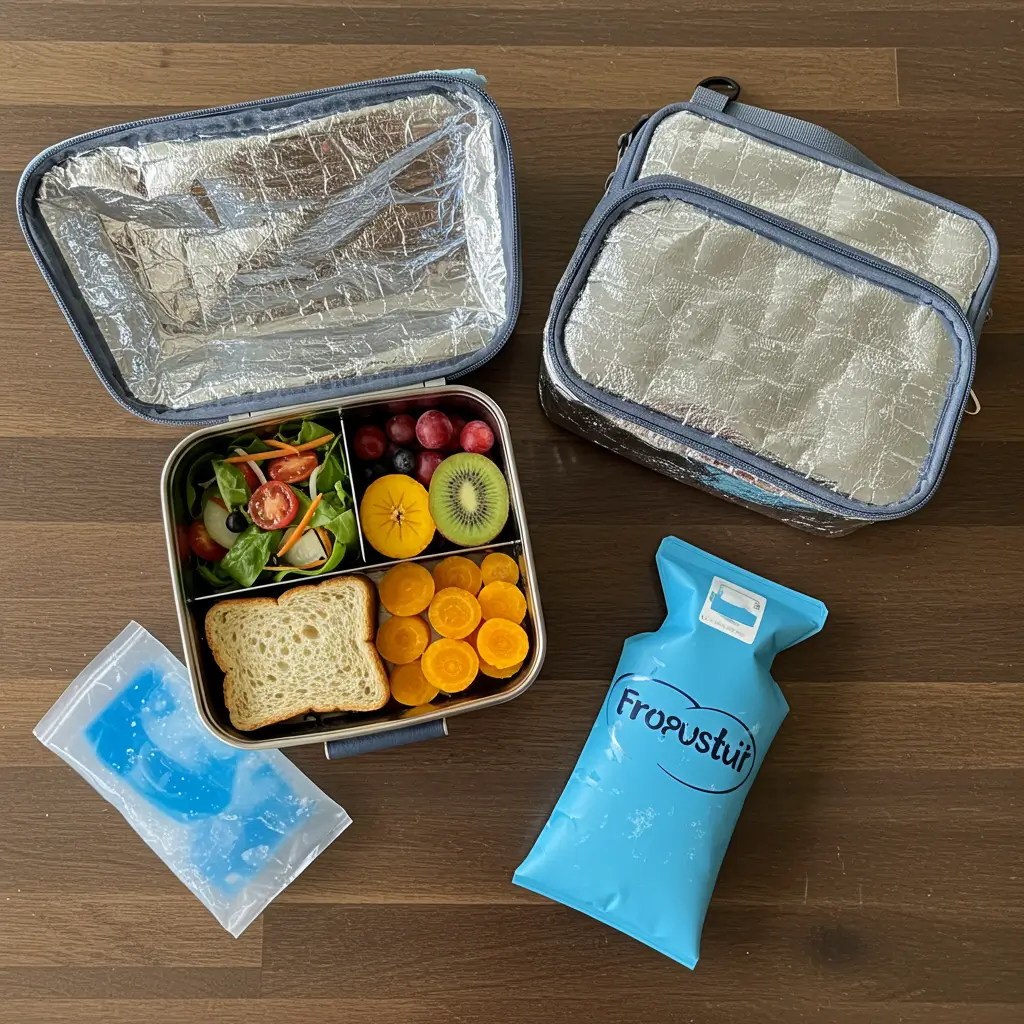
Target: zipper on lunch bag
666, 185
440, 76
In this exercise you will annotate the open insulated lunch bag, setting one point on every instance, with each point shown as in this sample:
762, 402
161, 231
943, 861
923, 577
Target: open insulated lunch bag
757, 309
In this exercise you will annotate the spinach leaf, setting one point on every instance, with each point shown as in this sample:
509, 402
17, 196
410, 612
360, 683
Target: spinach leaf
311, 430
192, 494
344, 498
249, 554
234, 491
345, 530
213, 575
331, 473
250, 443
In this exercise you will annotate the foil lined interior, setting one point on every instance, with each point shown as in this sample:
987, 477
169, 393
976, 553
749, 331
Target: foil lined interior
356, 243
837, 378
945, 248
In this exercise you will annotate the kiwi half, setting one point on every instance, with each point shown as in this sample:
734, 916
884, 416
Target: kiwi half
468, 499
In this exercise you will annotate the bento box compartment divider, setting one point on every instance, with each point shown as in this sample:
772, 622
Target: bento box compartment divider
305, 581
350, 470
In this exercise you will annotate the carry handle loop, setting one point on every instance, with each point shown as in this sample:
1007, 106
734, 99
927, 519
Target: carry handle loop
336, 749
728, 87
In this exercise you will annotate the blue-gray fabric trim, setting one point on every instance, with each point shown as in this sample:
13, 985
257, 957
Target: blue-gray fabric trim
336, 749
632, 161
816, 247
804, 132
236, 120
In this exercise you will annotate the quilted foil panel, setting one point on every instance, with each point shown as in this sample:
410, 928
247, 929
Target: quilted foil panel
945, 248
832, 376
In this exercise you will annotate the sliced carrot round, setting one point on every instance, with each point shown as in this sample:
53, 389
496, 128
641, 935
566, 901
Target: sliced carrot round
410, 686
497, 566
502, 643
406, 589
499, 673
500, 600
458, 571
454, 613
402, 638
450, 665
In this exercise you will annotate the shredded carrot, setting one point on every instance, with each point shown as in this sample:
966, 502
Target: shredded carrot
308, 565
325, 539
309, 445
283, 445
256, 456
300, 529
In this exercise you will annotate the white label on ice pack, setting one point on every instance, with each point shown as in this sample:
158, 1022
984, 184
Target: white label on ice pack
733, 609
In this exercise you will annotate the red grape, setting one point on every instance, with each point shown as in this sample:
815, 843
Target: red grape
434, 429
426, 463
477, 437
401, 429
457, 424
369, 443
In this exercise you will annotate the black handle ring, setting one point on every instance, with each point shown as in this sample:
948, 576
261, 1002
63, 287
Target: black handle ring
729, 86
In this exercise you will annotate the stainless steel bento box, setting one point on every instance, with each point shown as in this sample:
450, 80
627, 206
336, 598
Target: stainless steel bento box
206, 677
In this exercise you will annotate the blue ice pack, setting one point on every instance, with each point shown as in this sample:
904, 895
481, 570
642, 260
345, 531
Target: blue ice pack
639, 832
235, 826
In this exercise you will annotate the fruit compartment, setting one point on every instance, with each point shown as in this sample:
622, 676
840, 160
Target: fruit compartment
207, 678
376, 414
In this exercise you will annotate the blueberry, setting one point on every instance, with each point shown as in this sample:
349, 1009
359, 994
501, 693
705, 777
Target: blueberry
377, 470
403, 460
236, 522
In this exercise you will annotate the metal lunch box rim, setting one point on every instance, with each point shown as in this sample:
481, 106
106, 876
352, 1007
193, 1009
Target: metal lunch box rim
192, 662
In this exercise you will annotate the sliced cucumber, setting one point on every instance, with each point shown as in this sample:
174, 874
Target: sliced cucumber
215, 519
307, 549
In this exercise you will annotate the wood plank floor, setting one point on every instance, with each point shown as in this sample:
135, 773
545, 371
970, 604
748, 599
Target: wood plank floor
877, 872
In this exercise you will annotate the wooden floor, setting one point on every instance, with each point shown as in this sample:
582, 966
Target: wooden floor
877, 873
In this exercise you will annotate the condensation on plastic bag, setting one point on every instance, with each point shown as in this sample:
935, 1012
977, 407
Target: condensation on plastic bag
235, 826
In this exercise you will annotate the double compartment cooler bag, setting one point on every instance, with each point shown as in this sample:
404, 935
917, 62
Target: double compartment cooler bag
757, 309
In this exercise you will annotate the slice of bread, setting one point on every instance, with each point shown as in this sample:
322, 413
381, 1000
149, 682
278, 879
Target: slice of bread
311, 649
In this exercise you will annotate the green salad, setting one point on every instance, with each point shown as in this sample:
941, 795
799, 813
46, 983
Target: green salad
271, 507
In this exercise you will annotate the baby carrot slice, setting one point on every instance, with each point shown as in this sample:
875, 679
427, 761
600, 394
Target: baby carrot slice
409, 685
454, 613
450, 665
501, 600
499, 673
458, 571
502, 643
499, 566
402, 638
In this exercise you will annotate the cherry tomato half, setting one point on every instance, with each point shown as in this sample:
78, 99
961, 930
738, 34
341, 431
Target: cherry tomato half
203, 544
251, 479
293, 468
273, 505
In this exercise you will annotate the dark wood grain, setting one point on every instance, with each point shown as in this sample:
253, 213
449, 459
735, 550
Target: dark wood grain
875, 875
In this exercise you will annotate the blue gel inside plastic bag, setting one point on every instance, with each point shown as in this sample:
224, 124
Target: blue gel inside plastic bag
637, 837
157, 744
235, 826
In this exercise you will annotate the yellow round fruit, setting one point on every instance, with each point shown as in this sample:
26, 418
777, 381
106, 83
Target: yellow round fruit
395, 514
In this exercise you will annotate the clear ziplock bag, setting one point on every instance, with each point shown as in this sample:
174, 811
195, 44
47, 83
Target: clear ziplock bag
639, 833
236, 827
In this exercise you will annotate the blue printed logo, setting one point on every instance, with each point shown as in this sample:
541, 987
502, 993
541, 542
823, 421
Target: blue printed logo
703, 748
